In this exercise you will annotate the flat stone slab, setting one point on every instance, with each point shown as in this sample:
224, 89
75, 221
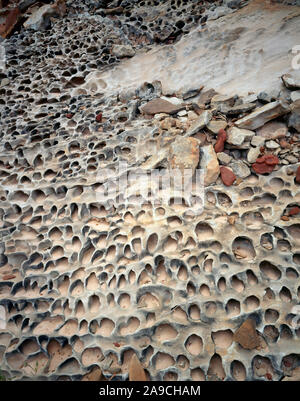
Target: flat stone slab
262, 115
273, 130
158, 105
200, 123
292, 80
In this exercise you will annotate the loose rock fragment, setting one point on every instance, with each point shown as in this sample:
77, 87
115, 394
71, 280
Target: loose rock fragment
184, 153
262, 115
265, 164
136, 371
237, 136
158, 105
227, 176
200, 123
209, 163
219, 146
246, 335
273, 130
292, 80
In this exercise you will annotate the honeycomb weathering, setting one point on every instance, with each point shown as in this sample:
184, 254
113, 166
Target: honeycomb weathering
85, 282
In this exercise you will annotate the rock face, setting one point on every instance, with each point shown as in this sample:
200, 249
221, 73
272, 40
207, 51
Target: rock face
273, 130
227, 176
200, 123
158, 105
246, 335
262, 115
209, 163
184, 153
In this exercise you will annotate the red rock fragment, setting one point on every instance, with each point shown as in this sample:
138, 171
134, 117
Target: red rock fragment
69, 115
284, 218
221, 139
298, 175
265, 164
295, 210
117, 344
227, 176
268, 376
12, 19
8, 277
99, 118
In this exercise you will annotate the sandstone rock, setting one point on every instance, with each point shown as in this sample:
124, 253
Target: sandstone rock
219, 146
224, 158
136, 370
246, 335
205, 97
292, 80
237, 136
272, 145
160, 106
184, 153
214, 126
272, 130
123, 51
267, 97
257, 141
240, 169
227, 176
262, 115
191, 93
209, 162
294, 119
222, 99
200, 123
173, 99
253, 154
94, 375
241, 108
295, 96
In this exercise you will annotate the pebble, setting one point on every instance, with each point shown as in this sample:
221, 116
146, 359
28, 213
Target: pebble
253, 154
291, 159
214, 126
219, 146
272, 145
224, 158
292, 80
257, 141
240, 169
4, 82
227, 176
237, 136
295, 95
123, 51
